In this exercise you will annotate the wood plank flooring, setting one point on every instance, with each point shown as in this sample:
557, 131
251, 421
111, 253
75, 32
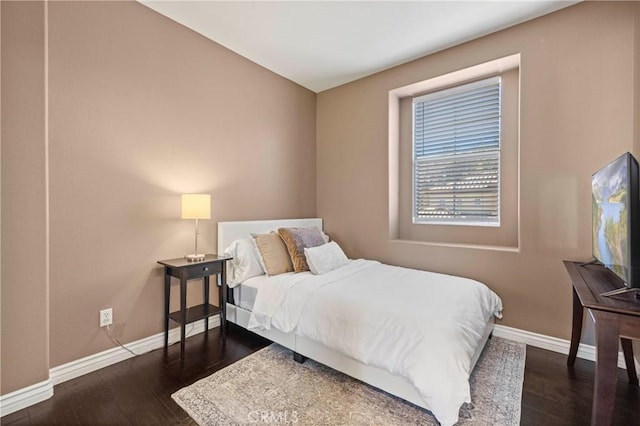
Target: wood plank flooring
138, 391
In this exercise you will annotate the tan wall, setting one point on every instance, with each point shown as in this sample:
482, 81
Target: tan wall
1, 201
637, 84
577, 66
141, 110
25, 344
636, 149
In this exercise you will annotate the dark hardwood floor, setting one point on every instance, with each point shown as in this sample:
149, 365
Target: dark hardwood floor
138, 391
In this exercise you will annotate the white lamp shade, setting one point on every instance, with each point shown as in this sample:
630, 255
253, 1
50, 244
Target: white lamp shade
196, 206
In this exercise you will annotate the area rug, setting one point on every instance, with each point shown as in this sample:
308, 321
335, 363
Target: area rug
269, 387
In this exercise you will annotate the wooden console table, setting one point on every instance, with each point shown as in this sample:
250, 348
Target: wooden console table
616, 319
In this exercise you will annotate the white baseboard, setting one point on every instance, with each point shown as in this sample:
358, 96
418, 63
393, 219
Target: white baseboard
85, 365
553, 344
33, 394
23, 398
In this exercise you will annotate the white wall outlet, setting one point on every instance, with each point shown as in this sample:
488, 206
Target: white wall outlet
106, 317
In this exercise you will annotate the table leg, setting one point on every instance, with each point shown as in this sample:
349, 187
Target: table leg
167, 297
627, 349
205, 284
223, 300
604, 393
576, 329
183, 314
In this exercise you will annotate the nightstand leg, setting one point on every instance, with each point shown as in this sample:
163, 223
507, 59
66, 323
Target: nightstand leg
183, 312
223, 300
167, 297
205, 284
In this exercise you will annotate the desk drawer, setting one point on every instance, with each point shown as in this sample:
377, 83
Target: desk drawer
202, 270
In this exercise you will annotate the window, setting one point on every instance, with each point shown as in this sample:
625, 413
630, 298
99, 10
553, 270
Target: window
456, 155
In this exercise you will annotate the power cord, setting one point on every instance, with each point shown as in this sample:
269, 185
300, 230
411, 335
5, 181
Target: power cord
115, 341
186, 332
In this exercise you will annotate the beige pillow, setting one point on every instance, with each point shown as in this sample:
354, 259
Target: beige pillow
297, 239
273, 251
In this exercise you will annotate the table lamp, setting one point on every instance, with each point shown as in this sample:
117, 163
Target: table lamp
196, 206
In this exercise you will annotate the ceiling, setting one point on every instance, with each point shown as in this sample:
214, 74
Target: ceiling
323, 44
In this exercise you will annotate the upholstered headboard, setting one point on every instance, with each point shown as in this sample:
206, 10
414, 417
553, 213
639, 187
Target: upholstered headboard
231, 231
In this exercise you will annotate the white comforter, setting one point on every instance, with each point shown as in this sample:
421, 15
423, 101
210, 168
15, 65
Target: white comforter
420, 325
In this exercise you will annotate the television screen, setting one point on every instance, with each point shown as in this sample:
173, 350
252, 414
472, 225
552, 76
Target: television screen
613, 190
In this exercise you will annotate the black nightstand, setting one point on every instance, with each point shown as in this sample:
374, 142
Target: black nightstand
184, 270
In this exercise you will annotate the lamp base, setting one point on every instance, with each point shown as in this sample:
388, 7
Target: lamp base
194, 257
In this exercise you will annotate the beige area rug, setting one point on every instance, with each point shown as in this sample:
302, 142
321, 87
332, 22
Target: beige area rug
269, 387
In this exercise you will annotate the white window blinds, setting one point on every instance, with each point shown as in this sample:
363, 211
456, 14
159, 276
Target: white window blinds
456, 155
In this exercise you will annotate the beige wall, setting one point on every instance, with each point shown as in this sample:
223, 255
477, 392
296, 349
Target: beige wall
24, 310
637, 84
577, 113
636, 149
141, 110
1, 201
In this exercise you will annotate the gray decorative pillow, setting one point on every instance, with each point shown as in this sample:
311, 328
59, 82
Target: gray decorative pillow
296, 240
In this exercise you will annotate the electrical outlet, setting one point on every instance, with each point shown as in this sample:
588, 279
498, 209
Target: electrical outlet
106, 317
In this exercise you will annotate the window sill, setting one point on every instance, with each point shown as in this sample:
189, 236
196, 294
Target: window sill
507, 249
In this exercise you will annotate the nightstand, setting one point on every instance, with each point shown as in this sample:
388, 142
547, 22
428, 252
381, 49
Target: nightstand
185, 270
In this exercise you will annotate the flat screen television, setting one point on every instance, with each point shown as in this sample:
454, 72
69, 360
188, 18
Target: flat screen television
616, 219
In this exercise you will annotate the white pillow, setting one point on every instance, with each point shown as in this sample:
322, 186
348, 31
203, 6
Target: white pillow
325, 258
244, 264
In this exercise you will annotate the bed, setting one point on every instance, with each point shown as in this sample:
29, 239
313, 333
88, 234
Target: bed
346, 319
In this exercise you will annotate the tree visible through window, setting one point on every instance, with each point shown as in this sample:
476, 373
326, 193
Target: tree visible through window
456, 155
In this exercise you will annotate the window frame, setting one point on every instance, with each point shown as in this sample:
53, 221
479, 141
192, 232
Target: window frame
444, 93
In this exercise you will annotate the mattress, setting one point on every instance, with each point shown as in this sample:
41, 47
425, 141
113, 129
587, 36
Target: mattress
244, 294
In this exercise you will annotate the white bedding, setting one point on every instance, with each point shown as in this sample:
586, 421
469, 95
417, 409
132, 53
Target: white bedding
245, 296
419, 325
245, 293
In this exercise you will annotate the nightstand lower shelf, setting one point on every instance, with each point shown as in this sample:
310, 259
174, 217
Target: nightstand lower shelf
195, 313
